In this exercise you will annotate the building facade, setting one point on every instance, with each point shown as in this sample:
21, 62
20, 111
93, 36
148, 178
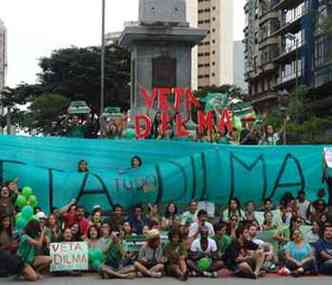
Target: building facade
213, 59
3, 54
239, 67
281, 40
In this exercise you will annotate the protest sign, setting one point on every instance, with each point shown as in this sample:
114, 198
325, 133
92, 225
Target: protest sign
328, 156
67, 256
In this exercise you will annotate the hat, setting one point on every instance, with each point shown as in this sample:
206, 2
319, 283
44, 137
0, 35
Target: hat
97, 207
153, 234
41, 215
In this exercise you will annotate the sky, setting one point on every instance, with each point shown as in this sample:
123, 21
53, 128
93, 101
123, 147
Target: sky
37, 27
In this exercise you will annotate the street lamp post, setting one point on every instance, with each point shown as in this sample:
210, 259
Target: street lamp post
102, 79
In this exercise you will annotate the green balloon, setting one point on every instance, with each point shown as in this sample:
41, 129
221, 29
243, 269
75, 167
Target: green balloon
96, 265
21, 201
27, 192
21, 222
33, 202
204, 263
130, 134
99, 254
92, 255
237, 123
27, 212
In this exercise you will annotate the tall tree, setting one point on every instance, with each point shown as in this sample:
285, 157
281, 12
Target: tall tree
75, 73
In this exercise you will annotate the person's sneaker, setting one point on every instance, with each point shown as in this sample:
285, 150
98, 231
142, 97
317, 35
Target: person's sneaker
215, 274
156, 274
193, 274
207, 274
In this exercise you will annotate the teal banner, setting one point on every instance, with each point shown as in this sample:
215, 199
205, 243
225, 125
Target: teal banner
172, 171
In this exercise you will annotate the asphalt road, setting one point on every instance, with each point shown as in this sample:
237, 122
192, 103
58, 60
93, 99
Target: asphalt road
95, 280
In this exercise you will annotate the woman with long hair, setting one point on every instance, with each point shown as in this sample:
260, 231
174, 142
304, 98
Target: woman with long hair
170, 218
7, 241
32, 240
299, 255
234, 209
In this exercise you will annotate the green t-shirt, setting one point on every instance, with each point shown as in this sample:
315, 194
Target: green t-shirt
188, 217
223, 243
114, 255
174, 251
26, 251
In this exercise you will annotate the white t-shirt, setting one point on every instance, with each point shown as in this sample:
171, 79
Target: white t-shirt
196, 246
194, 228
257, 241
303, 208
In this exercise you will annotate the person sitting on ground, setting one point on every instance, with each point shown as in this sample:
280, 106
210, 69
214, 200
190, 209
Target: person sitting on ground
170, 219
232, 225
313, 235
176, 255
12, 264
7, 240
33, 238
82, 221
234, 209
138, 220
195, 228
268, 222
127, 231
69, 214
105, 236
243, 256
136, 162
93, 237
250, 215
299, 255
96, 217
83, 166
7, 207
117, 218
153, 214
150, 262
190, 216
269, 258
204, 248
222, 239
324, 251
76, 232
53, 230
303, 205
117, 265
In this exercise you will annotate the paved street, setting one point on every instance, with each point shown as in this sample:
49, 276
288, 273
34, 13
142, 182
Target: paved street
93, 279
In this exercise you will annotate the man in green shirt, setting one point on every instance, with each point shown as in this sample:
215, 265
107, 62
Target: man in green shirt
190, 216
223, 241
117, 265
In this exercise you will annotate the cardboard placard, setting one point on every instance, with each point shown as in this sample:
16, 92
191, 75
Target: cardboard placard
67, 256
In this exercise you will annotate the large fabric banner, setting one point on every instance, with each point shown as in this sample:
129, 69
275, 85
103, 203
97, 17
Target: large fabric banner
172, 171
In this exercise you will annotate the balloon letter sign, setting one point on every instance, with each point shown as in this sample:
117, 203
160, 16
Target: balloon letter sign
159, 96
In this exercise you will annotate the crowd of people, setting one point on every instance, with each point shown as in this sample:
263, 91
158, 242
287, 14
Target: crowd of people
250, 133
291, 238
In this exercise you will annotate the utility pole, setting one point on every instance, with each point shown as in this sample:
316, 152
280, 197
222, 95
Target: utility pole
102, 79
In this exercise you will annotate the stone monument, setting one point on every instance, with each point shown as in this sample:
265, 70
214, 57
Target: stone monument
160, 46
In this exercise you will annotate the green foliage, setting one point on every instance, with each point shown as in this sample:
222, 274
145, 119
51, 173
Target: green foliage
45, 110
233, 90
75, 73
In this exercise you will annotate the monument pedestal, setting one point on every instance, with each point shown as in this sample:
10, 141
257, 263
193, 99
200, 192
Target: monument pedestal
160, 57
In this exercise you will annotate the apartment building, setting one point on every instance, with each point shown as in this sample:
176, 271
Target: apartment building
213, 58
280, 44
